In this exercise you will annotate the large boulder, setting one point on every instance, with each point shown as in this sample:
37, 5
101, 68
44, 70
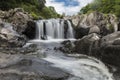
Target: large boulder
106, 48
109, 51
84, 45
17, 17
15, 27
9, 37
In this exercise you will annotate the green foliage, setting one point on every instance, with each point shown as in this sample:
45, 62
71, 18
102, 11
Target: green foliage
35, 17
104, 6
34, 7
48, 12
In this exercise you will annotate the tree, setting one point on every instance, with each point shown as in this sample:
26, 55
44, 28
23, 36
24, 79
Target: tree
104, 6
35, 7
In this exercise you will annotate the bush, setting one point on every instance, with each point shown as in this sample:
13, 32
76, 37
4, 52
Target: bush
35, 17
35, 7
104, 6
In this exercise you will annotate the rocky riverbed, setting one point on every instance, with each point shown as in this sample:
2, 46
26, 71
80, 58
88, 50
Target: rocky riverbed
97, 35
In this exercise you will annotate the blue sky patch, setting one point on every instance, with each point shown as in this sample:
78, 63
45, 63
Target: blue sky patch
69, 2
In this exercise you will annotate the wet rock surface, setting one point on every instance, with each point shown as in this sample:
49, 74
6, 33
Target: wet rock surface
110, 49
28, 67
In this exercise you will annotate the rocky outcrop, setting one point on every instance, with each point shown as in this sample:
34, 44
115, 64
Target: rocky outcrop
30, 31
9, 37
81, 46
13, 25
84, 45
94, 22
109, 49
106, 49
17, 17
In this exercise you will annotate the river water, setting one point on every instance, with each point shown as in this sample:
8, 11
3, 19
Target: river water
81, 67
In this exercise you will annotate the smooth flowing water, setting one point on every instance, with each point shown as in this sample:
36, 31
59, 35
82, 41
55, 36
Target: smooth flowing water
54, 29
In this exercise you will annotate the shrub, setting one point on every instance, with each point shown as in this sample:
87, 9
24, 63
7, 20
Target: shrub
35, 17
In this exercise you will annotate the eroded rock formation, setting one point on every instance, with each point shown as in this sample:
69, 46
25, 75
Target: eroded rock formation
94, 22
13, 24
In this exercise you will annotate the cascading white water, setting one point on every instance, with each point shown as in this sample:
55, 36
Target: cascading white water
70, 30
82, 69
53, 29
39, 30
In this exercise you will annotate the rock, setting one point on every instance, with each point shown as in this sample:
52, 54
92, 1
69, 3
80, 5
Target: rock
110, 48
21, 67
84, 45
75, 20
28, 48
109, 39
17, 17
106, 48
65, 28
80, 32
30, 31
9, 37
0, 20
119, 25
13, 24
106, 24
2, 13
67, 47
94, 29
19, 20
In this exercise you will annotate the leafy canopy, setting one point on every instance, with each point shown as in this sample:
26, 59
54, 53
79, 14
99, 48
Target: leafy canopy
35, 7
104, 6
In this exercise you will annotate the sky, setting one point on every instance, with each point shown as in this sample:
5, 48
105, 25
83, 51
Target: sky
69, 7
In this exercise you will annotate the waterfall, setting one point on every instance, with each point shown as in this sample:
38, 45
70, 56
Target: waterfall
53, 29
70, 30
39, 30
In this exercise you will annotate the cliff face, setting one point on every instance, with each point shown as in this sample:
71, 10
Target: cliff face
94, 22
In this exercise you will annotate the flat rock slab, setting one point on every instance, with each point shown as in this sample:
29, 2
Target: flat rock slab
21, 67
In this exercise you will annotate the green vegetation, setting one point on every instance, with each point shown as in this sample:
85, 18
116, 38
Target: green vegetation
104, 6
36, 8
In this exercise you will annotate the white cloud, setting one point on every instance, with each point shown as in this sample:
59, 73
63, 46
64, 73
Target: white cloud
69, 10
